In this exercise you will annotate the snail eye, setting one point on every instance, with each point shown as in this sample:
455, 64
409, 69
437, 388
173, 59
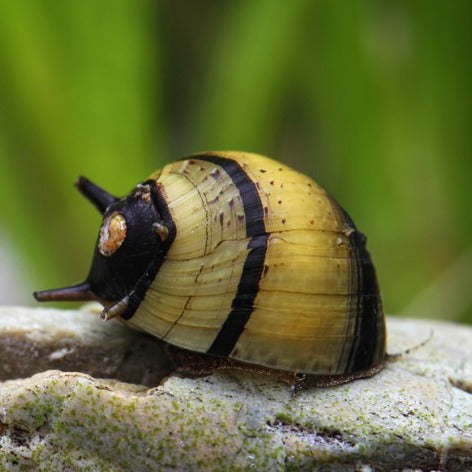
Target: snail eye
112, 234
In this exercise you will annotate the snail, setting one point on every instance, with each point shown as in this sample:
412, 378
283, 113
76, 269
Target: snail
238, 259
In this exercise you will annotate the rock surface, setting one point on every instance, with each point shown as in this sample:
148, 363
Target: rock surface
35, 340
414, 415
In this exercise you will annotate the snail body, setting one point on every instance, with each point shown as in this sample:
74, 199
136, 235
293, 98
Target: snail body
238, 256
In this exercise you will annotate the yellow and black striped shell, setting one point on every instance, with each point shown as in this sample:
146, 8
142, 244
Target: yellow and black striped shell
237, 255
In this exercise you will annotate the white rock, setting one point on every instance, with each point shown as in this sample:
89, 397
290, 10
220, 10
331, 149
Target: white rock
37, 339
414, 415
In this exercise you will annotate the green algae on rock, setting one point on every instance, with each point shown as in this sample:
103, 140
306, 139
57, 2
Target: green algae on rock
414, 414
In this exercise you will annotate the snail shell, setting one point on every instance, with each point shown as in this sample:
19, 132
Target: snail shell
237, 255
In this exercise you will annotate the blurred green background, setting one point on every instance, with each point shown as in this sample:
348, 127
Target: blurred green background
371, 98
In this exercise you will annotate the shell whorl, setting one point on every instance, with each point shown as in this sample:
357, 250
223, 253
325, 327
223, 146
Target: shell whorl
265, 268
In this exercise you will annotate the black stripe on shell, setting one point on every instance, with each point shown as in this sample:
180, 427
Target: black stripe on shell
243, 303
138, 293
368, 307
247, 189
248, 287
